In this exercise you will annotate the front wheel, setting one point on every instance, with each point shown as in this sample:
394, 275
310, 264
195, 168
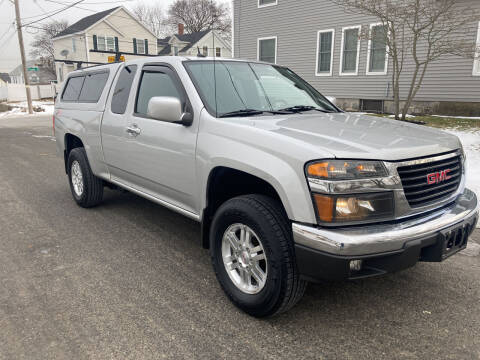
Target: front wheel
253, 255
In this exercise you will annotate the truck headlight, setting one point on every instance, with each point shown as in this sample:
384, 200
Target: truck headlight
346, 208
346, 169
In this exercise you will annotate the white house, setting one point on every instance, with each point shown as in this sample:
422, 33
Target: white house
99, 36
207, 42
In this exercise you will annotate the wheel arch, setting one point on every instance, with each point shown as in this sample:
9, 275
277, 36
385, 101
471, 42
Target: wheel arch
71, 142
224, 183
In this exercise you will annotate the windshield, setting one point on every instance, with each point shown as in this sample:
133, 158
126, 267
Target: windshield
244, 88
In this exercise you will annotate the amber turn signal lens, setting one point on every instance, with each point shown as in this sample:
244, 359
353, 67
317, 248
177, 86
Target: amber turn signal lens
318, 169
324, 207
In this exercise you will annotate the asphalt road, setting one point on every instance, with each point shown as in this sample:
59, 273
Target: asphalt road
129, 279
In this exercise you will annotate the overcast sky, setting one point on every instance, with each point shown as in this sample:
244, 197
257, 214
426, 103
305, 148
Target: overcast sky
31, 10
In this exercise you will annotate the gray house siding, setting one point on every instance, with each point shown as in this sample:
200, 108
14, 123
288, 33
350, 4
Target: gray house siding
295, 23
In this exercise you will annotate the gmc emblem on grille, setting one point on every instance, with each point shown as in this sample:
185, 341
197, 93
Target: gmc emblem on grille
437, 177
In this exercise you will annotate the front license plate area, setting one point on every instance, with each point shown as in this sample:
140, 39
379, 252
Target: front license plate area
454, 239
449, 242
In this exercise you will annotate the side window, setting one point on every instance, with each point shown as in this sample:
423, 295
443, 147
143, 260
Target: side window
267, 50
122, 89
156, 83
476, 62
377, 47
93, 87
73, 88
350, 50
325, 41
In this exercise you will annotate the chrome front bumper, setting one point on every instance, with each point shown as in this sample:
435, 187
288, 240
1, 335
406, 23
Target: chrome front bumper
380, 238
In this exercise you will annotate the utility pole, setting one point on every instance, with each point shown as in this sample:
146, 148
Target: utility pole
22, 53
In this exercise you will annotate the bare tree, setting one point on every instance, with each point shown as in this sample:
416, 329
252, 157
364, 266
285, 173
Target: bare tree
42, 45
199, 15
420, 31
152, 16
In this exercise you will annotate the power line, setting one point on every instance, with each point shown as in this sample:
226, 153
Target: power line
59, 11
7, 39
38, 5
45, 13
94, 11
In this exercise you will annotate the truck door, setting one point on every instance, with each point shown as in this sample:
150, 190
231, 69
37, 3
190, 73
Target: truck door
158, 157
114, 121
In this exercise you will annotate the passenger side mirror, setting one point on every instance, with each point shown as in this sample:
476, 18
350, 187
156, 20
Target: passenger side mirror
167, 108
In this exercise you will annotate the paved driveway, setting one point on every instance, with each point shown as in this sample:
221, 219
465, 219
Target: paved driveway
129, 280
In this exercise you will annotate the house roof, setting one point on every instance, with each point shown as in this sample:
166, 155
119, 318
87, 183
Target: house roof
86, 22
5, 77
190, 39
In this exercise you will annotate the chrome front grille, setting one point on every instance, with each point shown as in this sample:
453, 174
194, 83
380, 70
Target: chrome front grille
423, 183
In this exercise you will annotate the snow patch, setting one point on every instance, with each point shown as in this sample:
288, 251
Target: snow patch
21, 109
471, 145
408, 116
332, 99
458, 117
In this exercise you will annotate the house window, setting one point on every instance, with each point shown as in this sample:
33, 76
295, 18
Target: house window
325, 40
205, 51
106, 43
476, 63
350, 50
175, 50
263, 3
101, 43
140, 46
267, 49
74, 46
377, 59
218, 52
110, 43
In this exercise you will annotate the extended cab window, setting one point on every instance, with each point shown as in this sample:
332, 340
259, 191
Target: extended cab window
122, 89
157, 83
73, 88
93, 87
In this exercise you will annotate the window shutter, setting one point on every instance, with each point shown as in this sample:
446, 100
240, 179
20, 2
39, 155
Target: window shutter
146, 46
95, 46
134, 45
116, 44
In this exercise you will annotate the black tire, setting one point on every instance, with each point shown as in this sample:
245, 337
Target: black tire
92, 186
266, 217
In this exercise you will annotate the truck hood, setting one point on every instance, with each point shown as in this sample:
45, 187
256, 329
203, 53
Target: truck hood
352, 135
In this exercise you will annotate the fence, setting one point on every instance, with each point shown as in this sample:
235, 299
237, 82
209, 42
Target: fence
16, 92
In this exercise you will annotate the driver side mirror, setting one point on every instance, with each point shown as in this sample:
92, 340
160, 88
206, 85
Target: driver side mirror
167, 108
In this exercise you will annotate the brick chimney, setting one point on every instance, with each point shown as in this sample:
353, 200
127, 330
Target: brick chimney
181, 29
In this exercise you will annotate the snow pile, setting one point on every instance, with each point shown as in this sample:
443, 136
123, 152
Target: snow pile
458, 117
471, 145
21, 109
332, 99
408, 116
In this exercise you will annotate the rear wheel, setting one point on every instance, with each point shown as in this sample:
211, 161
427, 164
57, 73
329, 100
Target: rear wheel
253, 255
87, 189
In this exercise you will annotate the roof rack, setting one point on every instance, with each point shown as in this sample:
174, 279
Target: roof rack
80, 63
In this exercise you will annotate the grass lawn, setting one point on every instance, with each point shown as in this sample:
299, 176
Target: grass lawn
444, 122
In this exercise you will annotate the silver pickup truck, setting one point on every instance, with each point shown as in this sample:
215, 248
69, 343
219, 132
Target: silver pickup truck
287, 187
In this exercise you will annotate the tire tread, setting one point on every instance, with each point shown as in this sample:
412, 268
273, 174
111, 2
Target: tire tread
93, 186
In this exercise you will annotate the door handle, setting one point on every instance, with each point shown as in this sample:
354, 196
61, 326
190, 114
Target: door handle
133, 130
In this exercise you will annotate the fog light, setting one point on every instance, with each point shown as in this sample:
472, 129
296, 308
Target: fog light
356, 265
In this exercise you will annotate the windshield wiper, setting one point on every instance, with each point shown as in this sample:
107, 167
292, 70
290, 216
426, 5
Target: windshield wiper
300, 108
252, 112
242, 112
